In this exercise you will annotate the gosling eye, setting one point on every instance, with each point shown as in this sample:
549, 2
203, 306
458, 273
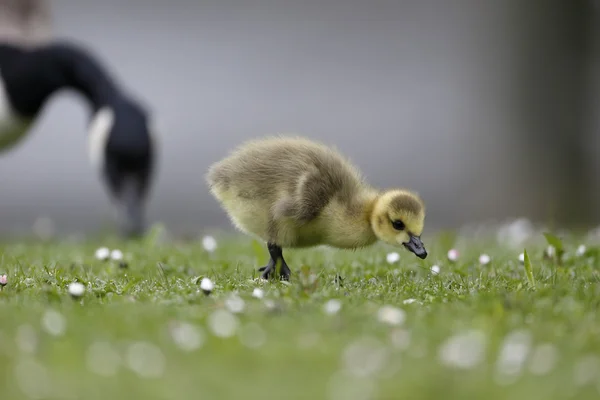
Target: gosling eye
398, 225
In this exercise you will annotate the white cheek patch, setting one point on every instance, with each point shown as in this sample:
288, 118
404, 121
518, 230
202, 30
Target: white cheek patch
99, 131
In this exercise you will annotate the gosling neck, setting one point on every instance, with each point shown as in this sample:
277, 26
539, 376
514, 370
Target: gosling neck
42, 71
373, 197
362, 205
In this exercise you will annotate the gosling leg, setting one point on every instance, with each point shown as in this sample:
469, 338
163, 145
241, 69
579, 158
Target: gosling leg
271, 268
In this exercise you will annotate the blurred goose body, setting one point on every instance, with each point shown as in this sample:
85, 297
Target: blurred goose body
120, 139
293, 192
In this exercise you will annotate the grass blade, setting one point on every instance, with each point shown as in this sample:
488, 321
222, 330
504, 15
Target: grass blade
554, 242
529, 270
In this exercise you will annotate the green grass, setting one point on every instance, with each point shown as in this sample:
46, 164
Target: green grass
117, 340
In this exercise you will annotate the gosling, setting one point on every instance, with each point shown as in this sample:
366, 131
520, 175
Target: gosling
292, 192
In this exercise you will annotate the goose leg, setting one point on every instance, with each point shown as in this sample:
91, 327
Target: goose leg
271, 268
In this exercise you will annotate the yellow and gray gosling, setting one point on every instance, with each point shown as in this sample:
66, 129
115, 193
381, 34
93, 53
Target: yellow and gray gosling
293, 192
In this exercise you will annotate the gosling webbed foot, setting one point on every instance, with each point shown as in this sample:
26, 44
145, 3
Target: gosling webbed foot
269, 270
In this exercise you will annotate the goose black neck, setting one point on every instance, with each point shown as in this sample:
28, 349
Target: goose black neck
31, 76
84, 74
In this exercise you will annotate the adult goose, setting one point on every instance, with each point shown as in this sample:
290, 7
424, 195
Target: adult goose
120, 138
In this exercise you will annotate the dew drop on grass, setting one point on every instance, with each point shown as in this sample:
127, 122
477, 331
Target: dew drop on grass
332, 306
258, 293
223, 323
484, 259
209, 243
515, 233
116, 255
581, 250
235, 303
54, 323
464, 350
522, 258
186, 336
393, 258
513, 354
102, 359
103, 253
391, 315
76, 289
435, 269
453, 255
409, 301
206, 285
146, 360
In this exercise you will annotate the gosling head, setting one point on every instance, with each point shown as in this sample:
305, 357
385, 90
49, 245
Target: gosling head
398, 218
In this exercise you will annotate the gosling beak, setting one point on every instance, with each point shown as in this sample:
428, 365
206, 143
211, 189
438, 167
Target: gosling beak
416, 246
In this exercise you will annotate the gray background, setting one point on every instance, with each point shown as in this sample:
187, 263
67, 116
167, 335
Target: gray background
486, 108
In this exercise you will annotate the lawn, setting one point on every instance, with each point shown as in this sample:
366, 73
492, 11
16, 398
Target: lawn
388, 329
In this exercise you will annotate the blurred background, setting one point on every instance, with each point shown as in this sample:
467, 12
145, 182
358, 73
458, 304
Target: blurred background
487, 108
